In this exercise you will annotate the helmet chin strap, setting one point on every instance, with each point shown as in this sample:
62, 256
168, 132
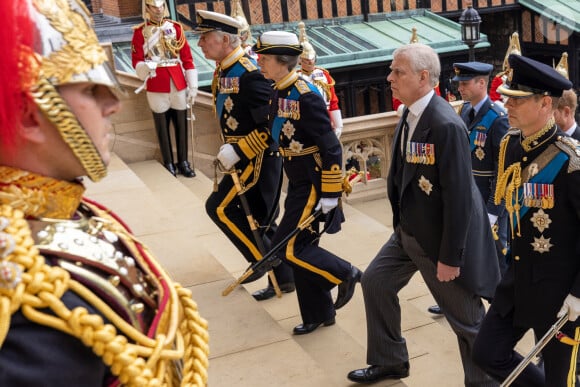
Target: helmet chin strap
59, 114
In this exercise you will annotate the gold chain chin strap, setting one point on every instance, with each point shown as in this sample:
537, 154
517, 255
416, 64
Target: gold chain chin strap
145, 363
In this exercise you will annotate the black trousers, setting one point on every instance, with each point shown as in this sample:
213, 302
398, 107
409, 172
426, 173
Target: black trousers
494, 353
225, 209
316, 270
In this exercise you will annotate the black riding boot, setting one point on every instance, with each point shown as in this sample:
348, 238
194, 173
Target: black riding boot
161, 121
181, 142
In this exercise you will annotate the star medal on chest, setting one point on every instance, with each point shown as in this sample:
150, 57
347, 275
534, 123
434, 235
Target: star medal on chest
425, 185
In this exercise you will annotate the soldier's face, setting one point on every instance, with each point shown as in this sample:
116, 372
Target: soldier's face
156, 13
93, 106
471, 90
406, 84
213, 45
307, 64
529, 114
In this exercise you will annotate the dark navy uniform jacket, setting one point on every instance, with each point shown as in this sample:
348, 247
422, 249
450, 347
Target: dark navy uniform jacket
486, 131
546, 251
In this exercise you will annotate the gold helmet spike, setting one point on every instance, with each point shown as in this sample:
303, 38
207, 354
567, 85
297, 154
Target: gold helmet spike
513, 48
155, 3
308, 51
238, 14
562, 66
414, 37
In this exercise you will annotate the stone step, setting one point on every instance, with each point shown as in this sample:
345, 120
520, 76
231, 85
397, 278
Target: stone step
251, 342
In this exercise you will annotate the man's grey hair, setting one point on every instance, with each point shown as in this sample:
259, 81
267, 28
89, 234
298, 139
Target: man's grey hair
235, 39
421, 57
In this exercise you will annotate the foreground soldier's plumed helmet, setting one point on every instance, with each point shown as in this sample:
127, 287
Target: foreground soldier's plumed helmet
308, 51
58, 47
513, 48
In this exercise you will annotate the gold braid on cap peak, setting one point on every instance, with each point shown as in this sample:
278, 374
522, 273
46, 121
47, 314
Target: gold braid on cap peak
177, 356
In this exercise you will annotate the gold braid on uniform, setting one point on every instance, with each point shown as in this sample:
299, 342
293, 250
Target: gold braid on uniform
508, 189
177, 355
174, 45
324, 86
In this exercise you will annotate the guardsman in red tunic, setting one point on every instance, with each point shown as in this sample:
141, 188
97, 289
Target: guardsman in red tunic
162, 58
320, 78
82, 301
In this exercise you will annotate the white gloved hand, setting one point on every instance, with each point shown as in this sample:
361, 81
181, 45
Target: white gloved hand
571, 307
191, 78
146, 69
336, 120
326, 204
228, 156
492, 219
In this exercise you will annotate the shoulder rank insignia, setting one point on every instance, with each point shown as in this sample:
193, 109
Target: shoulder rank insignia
302, 86
248, 64
571, 147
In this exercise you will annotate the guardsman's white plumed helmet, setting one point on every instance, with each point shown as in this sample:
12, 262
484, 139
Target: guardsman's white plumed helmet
155, 3
238, 14
513, 48
308, 51
562, 66
62, 49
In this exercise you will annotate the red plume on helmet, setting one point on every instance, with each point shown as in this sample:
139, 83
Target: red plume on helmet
15, 36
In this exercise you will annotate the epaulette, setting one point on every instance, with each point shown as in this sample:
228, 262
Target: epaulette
571, 147
500, 111
247, 63
302, 86
140, 25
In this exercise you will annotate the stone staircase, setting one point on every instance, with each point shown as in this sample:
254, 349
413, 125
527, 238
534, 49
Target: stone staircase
251, 342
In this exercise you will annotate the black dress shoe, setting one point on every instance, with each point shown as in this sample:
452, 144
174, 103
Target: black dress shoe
346, 288
269, 292
435, 309
171, 168
375, 373
185, 169
303, 329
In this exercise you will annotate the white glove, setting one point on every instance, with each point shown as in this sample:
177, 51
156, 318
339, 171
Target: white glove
571, 307
145, 69
228, 156
492, 219
336, 120
326, 204
191, 78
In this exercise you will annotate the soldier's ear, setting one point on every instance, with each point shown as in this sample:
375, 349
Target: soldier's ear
30, 121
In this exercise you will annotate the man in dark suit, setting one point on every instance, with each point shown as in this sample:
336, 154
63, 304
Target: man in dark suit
564, 114
539, 179
486, 123
431, 190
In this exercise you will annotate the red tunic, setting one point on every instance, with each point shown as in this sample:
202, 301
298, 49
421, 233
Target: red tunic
161, 82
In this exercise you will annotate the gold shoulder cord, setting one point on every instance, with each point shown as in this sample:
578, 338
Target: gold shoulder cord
508, 189
174, 46
143, 362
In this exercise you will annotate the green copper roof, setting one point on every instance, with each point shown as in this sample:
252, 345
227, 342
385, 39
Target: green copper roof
345, 42
563, 12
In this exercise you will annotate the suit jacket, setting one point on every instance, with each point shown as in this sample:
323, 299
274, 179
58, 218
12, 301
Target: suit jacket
440, 205
576, 133
484, 156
